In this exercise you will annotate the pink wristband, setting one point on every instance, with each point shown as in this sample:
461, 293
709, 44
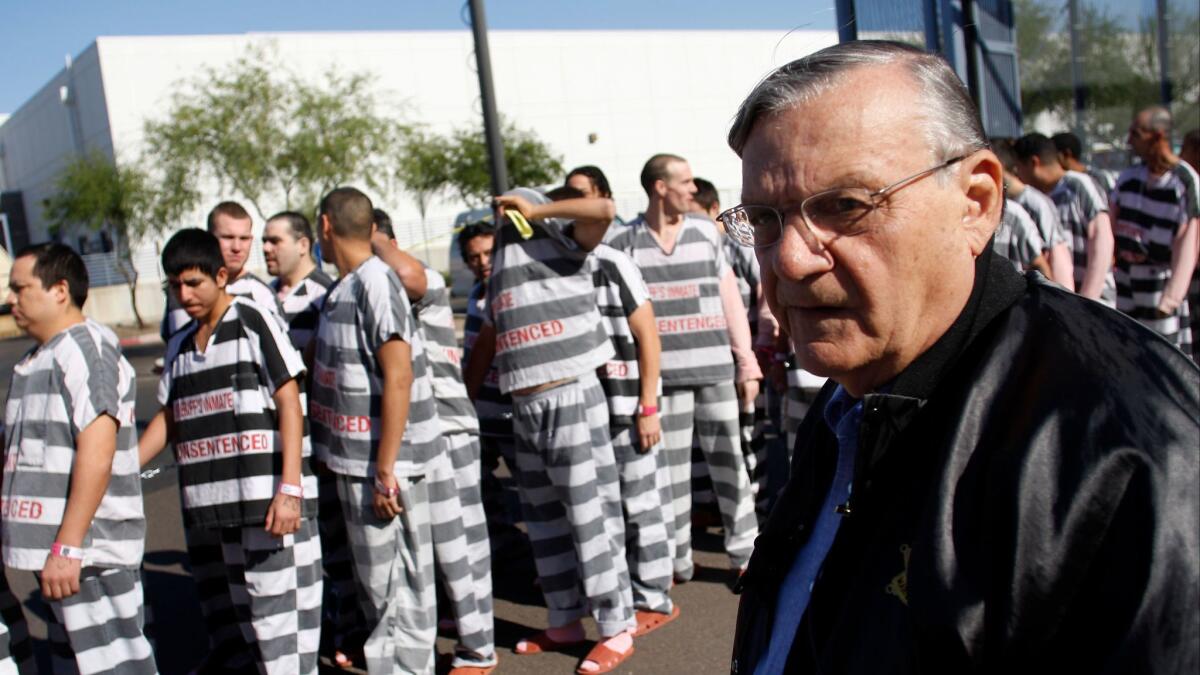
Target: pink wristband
385, 490
64, 551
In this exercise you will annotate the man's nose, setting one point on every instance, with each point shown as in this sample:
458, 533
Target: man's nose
799, 253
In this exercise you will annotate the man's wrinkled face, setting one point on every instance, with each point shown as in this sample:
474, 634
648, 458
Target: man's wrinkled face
282, 251
478, 256
235, 235
678, 189
32, 304
196, 292
858, 302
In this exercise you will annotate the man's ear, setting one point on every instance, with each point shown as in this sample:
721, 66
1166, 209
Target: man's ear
983, 187
222, 277
660, 188
61, 292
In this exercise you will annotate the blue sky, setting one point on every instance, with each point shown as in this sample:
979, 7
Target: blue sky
35, 36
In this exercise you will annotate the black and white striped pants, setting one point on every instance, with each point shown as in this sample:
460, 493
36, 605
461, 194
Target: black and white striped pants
100, 628
569, 489
16, 651
647, 553
271, 589
454, 556
711, 412
393, 567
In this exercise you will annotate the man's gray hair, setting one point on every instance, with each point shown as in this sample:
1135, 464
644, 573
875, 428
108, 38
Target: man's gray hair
951, 120
1158, 118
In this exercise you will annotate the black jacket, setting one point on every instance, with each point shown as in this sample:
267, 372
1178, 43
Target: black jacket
1024, 501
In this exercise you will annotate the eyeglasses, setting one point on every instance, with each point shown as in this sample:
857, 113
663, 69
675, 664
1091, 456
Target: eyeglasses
841, 212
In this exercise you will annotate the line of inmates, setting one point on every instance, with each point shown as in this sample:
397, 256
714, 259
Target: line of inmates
318, 500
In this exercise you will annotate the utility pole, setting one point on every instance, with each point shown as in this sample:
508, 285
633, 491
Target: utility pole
1077, 86
1164, 64
487, 95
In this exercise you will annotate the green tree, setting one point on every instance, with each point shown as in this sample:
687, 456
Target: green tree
95, 193
266, 135
530, 162
423, 169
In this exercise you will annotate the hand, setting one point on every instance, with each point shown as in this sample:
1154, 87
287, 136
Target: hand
747, 391
283, 516
60, 577
387, 508
1167, 307
649, 432
515, 203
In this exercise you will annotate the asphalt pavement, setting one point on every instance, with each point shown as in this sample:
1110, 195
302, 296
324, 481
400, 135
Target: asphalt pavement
697, 643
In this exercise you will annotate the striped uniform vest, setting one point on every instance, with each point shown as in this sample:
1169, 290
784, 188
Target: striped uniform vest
302, 306
1078, 202
1017, 238
493, 408
1045, 215
436, 320
365, 309
543, 304
57, 390
226, 441
620, 290
246, 286
685, 289
1149, 212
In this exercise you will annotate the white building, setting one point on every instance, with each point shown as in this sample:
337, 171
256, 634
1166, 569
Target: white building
609, 98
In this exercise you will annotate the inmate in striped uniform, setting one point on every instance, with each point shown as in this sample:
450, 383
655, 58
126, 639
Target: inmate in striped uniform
620, 291
228, 448
1045, 215
1148, 212
1188, 174
462, 552
1079, 202
301, 306
542, 301
57, 390
1017, 238
16, 650
246, 286
393, 559
697, 372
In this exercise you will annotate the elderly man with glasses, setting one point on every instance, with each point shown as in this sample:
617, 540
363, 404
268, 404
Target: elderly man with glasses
1000, 475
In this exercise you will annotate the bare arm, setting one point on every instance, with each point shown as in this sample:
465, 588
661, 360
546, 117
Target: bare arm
1100, 256
283, 516
395, 361
768, 326
739, 330
1061, 266
593, 214
649, 347
95, 447
409, 269
154, 437
482, 353
1183, 264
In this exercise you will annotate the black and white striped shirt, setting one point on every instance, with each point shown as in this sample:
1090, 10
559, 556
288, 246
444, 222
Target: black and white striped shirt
301, 306
1017, 237
1079, 202
1149, 212
684, 286
543, 304
1045, 215
364, 310
454, 408
57, 390
620, 291
493, 407
221, 401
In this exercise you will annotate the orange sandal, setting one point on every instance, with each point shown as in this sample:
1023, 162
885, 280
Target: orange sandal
648, 622
604, 657
541, 642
